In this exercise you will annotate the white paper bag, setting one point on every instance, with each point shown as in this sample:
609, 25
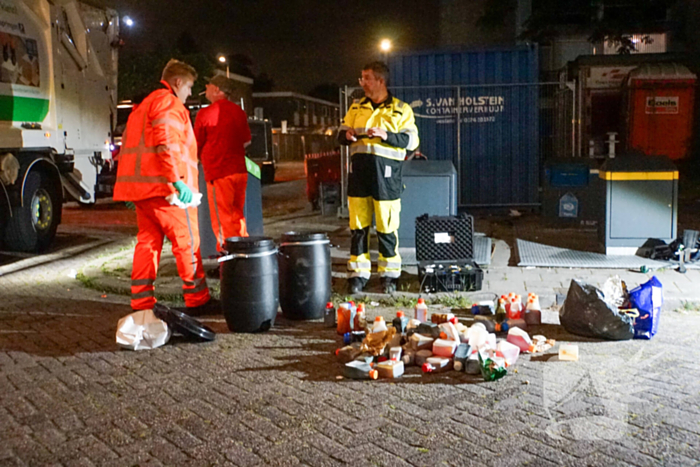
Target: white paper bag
141, 330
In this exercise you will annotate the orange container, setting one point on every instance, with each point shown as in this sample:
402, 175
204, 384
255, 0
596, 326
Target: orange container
660, 101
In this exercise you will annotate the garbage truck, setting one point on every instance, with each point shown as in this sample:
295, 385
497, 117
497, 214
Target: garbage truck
58, 95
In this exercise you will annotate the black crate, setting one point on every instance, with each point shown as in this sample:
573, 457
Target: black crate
444, 238
450, 276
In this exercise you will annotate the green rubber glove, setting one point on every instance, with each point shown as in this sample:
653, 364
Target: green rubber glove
184, 192
130, 205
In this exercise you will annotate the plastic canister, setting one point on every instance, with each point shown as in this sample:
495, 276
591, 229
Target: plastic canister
533, 314
568, 352
488, 323
422, 356
409, 357
304, 274
477, 335
444, 348
473, 367
359, 370
395, 353
436, 365
450, 331
509, 351
421, 311
421, 342
390, 369
520, 338
250, 284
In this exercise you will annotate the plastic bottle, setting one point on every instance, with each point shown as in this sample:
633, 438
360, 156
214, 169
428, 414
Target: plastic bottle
355, 336
360, 322
395, 353
509, 351
379, 325
329, 318
359, 370
501, 313
520, 338
489, 324
346, 318
436, 365
461, 356
400, 322
533, 314
513, 323
421, 311
347, 353
515, 310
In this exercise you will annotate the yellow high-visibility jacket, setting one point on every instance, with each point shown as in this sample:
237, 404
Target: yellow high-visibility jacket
392, 115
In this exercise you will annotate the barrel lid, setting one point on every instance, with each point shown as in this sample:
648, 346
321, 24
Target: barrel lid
238, 244
303, 236
183, 323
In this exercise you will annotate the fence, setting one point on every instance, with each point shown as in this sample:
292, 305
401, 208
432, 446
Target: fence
495, 135
294, 146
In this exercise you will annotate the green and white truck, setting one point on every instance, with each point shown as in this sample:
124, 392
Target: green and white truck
58, 95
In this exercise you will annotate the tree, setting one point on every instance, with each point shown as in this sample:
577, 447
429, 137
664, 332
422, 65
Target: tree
613, 21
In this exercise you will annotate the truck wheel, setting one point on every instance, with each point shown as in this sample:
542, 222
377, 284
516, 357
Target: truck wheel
32, 227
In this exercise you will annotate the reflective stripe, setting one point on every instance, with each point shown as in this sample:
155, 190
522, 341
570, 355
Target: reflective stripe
197, 289
377, 150
137, 282
359, 265
390, 274
189, 228
389, 264
218, 219
343, 128
169, 121
143, 179
412, 138
197, 281
146, 294
362, 274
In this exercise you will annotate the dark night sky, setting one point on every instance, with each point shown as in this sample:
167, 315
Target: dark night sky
299, 43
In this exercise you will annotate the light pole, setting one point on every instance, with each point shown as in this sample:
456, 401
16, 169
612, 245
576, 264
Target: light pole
222, 59
385, 47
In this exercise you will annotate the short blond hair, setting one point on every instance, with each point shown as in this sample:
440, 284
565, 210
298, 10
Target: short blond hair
177, 69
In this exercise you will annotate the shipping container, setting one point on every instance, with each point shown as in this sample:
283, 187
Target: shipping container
480, 110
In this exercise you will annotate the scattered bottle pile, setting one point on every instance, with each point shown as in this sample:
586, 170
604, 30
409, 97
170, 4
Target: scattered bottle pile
438, 342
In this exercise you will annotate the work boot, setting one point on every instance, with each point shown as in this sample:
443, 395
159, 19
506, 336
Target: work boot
212, 307
356, 284
389, 285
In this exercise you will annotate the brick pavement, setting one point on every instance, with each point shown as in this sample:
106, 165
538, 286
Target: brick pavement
69, 396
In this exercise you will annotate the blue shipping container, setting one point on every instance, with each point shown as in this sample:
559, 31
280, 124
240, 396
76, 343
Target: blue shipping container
495, 96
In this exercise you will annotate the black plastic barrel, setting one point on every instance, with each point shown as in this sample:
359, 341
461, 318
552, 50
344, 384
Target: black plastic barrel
249, 284
305, 274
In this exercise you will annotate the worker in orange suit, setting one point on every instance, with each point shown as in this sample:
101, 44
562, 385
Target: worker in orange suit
158, 163
223, 133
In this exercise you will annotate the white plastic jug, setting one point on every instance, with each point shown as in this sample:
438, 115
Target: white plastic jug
510, 351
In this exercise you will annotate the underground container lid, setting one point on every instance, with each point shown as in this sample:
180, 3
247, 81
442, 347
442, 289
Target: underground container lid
183, 323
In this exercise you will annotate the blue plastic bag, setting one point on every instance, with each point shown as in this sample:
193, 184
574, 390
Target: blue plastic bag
648, 299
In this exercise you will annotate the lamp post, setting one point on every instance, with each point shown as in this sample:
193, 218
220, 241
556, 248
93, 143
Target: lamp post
385, 47
222, 59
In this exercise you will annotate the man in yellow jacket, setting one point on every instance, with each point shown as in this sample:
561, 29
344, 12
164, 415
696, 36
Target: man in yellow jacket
379, 130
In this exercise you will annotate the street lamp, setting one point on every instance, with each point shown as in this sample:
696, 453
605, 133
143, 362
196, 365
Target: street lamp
385, 47
222, 59
128, 22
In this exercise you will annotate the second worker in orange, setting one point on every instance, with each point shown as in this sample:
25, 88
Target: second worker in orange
223, 133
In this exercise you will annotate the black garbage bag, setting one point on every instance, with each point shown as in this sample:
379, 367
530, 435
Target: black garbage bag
586, 313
